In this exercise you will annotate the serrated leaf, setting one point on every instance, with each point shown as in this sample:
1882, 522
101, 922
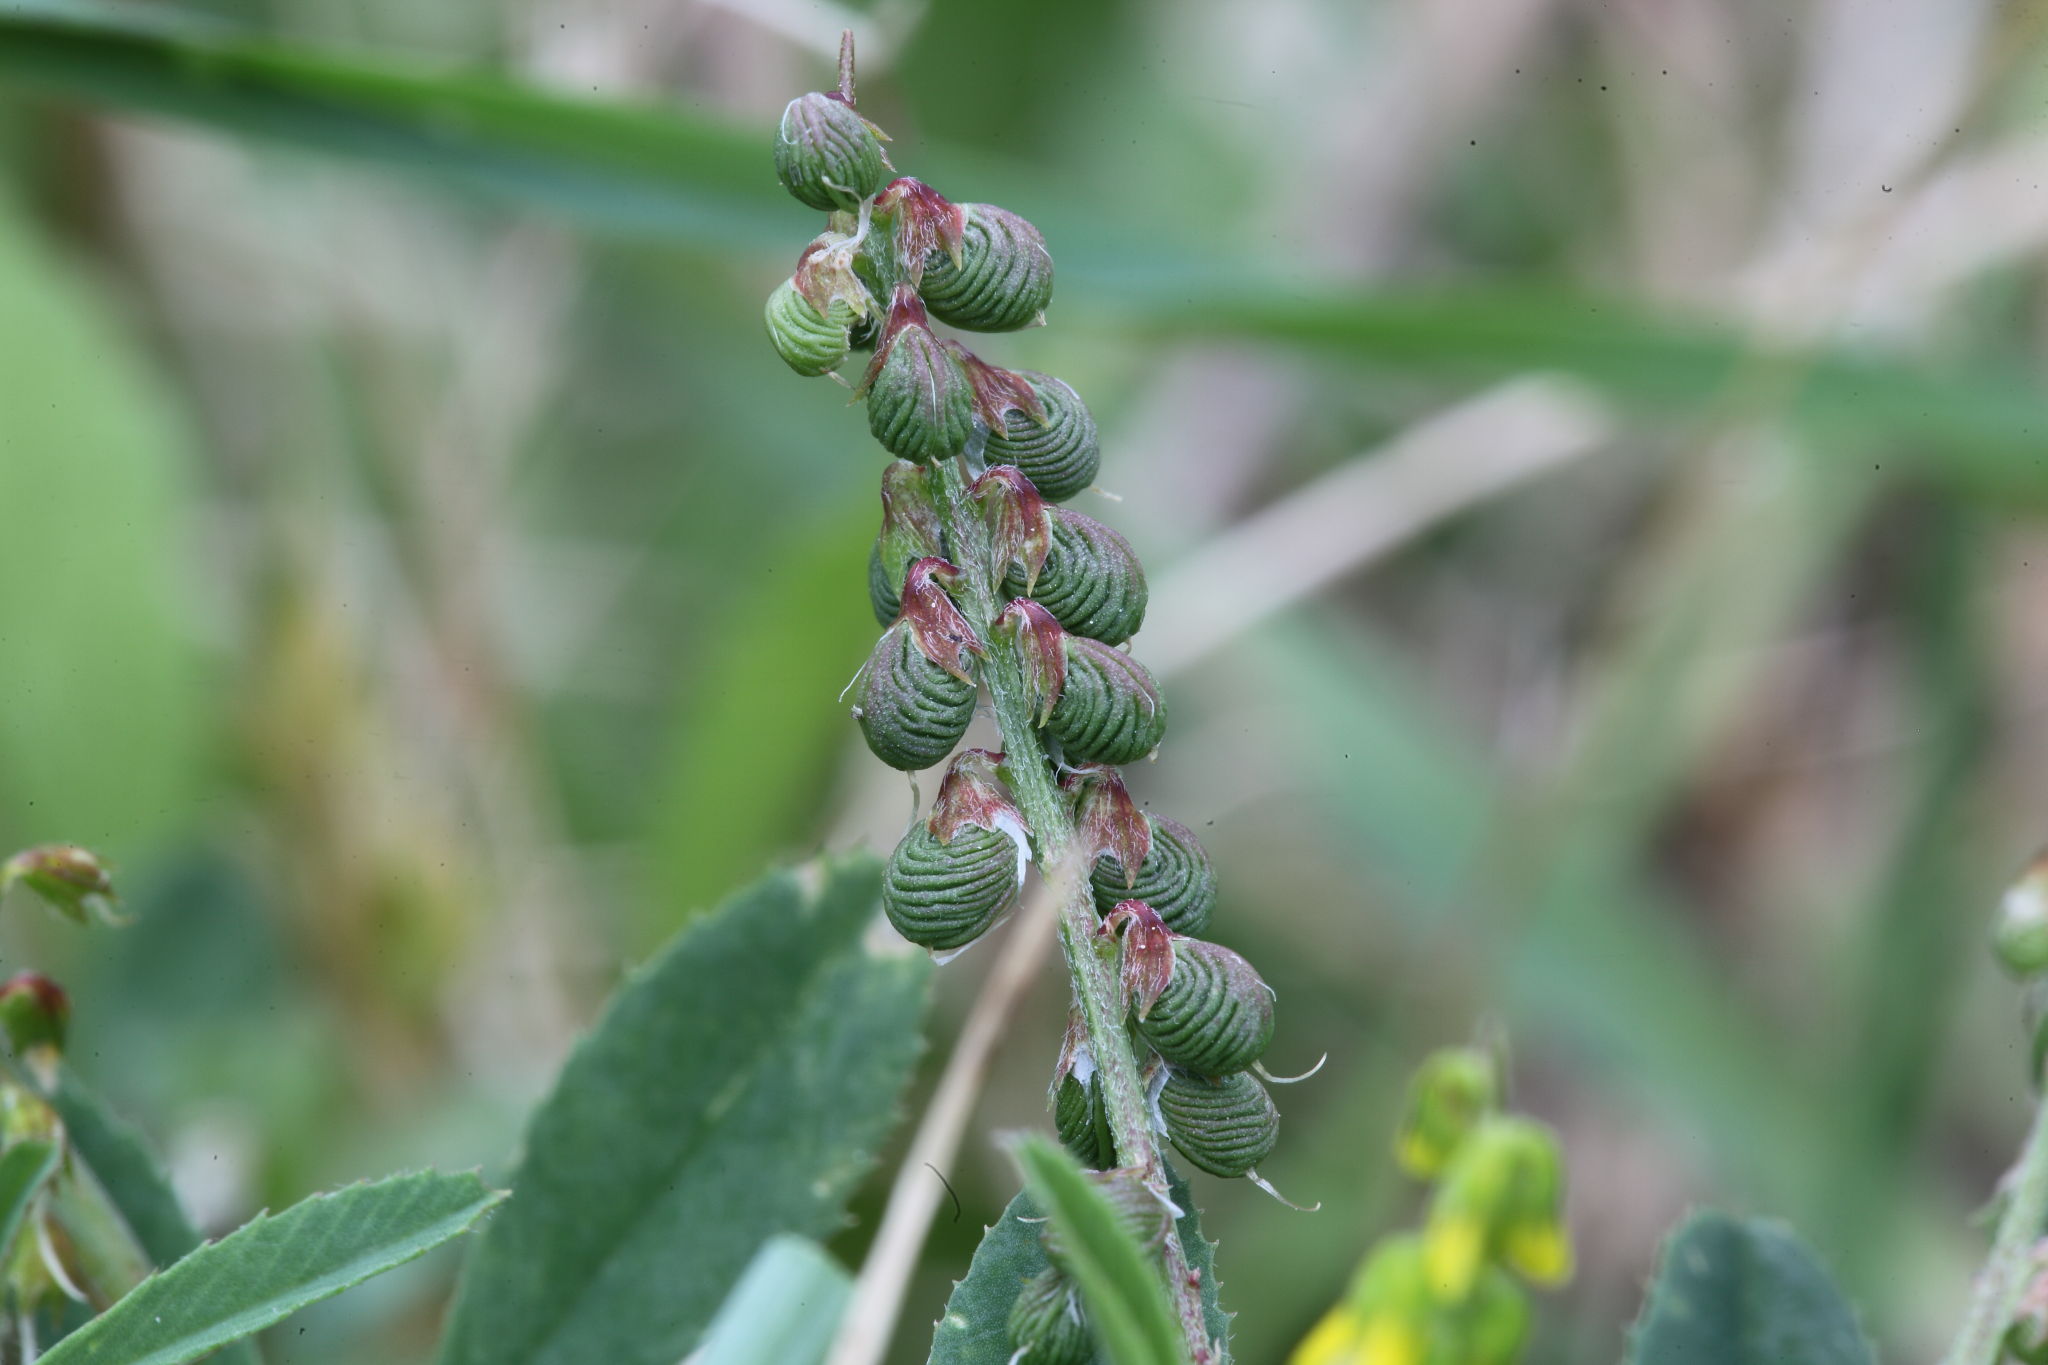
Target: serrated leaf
1735, 1291
271, 1267
783, 1311
1121, 1286
736, 1088
23, 1169
1201, 1257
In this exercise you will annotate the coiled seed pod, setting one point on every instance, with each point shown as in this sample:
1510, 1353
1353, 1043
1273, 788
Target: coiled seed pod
1109, 710
1046, 1326
1002, 280
1176, 878
826, 154
1092, 583
808, 341
912, 711
920, 405
1226, 1125
1215, 1015
1142, 1213
1058, 448
1082, 1121
943, 894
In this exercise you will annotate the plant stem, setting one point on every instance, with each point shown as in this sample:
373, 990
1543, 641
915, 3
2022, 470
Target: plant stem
2005, 1275
1064, 867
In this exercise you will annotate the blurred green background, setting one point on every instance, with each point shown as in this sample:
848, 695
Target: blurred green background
1590, 457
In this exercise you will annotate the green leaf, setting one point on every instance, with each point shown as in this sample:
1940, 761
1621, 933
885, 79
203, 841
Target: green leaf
1121, 1285
641, 171
23, 1169
974, 1330
100, 698
271, 1267
1201, 1257
1744, 1292
737, 1087
783, 1311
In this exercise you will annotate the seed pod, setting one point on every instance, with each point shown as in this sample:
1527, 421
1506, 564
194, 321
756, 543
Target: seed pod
1057, 447
1082, 1121
808, 341
1175, 878
1046, 1326
1092, 583
910, 532
1142, 1213
1001, 279
956, 872
1109, 709
826, 154
34, 1014
1225, 1125
920, 405
917, 694
1215, 1015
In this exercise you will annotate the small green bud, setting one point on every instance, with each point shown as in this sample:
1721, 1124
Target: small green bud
999, 280
2020, 937
1215, 1015
1081, 1119
34, 1013
910, 532
920, 404
1451, 1091
1175, 878
808, 342
1225, 1125
1046, 1326
1501, 1201
1056, 446
1109, 709
917, 693
1092, 582
955, 873
69, 879
826, 154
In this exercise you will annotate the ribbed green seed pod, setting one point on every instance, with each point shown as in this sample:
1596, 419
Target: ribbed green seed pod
944, 894
1092, 582
1046, 1326
1225, 1125
826, 154
1110, 710
920, 405
1061, 453
1215, 1015
808, 341
1142, 1213
885, 590
1004, 278
912, 712
1176, 878
1082, 1121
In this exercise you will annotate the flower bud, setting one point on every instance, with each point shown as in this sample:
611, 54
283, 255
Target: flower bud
1501, 1200
1056, 446
34, 1014
910, 532
1142, 1213
1225, 1125
999, 280
1092, 583
1215, 1015
2020, 937
1451, 1092
1175, 877
1109, 710
1081, 1119
826, 154
67, 878
1046, 1326
1389, 1316
920, 404
955, 873
917, 695
808, 341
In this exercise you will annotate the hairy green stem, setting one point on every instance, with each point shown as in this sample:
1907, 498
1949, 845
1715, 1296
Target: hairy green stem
1090, 963
2005, 1275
